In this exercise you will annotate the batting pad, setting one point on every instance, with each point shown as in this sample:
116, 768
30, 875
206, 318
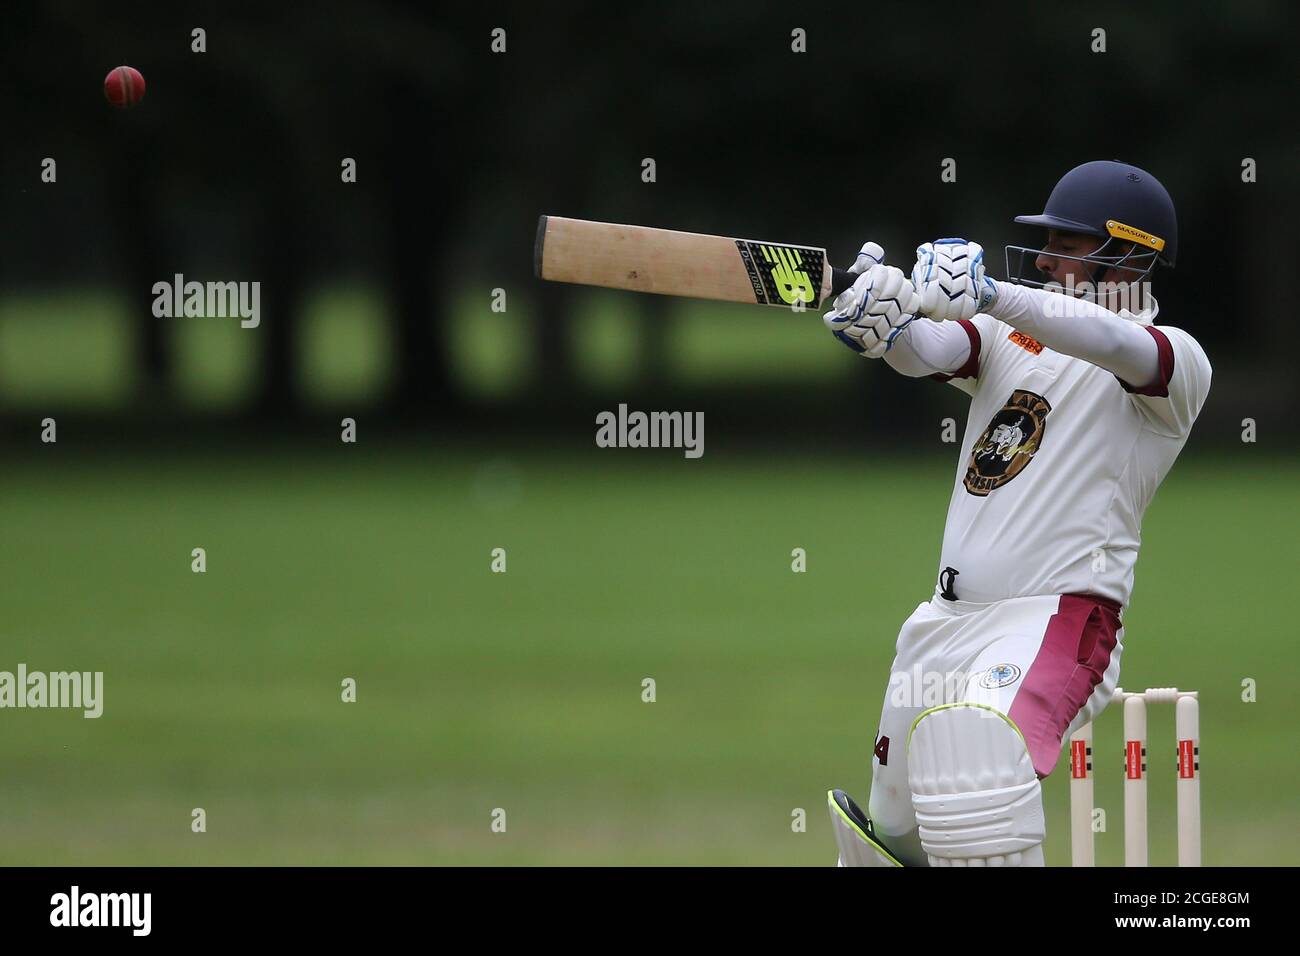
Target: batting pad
974, 790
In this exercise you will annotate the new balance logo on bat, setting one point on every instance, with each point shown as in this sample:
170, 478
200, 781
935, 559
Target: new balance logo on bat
788, 274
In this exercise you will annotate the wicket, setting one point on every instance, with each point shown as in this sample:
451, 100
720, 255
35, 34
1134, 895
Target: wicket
1187, 730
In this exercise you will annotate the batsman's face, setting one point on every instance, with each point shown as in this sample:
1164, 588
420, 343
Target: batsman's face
1053, 263
1068, 272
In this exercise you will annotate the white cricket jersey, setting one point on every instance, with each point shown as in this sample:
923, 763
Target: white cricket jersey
1060, 460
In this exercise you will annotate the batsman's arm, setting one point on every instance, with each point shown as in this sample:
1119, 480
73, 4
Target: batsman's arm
1164, 368
1081, 328
926, 347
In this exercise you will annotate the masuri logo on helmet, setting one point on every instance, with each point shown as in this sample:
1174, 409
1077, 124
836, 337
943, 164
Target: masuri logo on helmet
1121, 231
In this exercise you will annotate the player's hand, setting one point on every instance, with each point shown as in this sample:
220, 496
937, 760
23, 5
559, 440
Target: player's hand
949, 278
870, 315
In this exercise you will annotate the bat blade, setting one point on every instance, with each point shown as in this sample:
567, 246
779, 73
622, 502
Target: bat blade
665, 262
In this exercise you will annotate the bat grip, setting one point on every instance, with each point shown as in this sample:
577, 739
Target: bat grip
841, 279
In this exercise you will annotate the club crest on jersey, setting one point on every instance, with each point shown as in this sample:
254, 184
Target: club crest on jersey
1008, 444
1000, 675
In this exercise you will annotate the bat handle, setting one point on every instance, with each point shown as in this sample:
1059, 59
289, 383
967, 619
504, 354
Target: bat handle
841, 279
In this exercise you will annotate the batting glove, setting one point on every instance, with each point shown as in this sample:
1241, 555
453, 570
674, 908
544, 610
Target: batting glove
868, 316
949, 278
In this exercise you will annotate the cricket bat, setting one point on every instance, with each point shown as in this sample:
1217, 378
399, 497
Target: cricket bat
687, 264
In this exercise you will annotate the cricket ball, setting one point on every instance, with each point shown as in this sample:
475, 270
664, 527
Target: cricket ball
124, 86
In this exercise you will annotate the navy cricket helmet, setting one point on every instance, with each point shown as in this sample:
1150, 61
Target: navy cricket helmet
1113, 201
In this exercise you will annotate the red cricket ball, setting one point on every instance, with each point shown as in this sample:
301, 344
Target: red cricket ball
124, 86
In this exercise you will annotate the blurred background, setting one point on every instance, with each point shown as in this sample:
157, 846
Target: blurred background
523, 691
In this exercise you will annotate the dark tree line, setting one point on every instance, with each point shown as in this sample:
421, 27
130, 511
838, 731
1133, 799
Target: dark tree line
232, 162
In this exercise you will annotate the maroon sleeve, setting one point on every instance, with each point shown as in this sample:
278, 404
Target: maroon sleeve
971, 368
1165, 352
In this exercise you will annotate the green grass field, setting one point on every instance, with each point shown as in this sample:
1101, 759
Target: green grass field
522, 690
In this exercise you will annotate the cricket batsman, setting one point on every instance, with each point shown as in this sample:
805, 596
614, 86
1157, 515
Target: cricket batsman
1080, 403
